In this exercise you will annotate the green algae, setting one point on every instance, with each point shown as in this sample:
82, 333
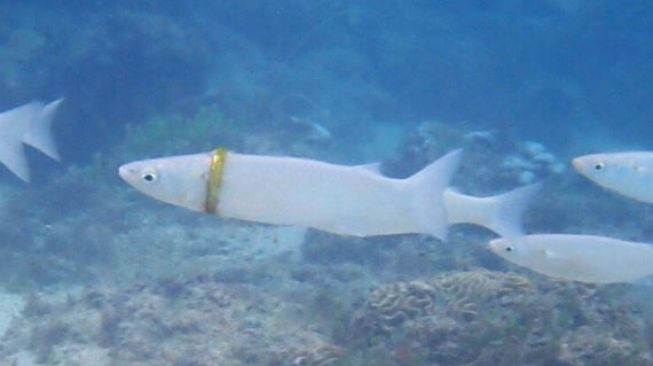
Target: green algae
177, 133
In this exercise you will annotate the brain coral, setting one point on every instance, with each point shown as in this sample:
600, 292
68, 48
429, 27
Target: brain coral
459, 294
492, 318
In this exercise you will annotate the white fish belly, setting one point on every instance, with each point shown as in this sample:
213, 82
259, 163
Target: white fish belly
592, 258
637, 185
334, 198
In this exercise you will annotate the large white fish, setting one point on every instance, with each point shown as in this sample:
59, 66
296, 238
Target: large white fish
348, 200
583, 258
627, 173
28, 124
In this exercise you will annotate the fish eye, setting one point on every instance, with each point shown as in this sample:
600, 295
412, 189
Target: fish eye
149, 177
599, 166
508, 248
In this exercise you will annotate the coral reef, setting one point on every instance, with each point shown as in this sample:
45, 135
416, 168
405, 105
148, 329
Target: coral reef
492, 158
532, 161
196, 321
591, 345
492, 318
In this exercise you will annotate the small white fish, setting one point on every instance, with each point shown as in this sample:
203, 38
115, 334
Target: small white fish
347, 200
583, 258
28, 124
627, 173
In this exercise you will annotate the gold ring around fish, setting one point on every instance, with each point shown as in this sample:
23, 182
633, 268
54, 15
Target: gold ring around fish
215, 179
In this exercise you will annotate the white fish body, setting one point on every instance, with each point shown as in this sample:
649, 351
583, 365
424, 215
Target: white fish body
334, 198
347, 200
28, 124
291, 191
627, 173
583, 258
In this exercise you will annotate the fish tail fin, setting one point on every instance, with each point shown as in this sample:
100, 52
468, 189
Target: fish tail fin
14, 124
39, 135
13, 157
428, 187
501, 213
506, 209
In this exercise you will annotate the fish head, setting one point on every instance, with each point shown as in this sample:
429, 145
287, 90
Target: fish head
596, 166
612, 167
178, 180
515, 249
625, 172
534, 252
504, 247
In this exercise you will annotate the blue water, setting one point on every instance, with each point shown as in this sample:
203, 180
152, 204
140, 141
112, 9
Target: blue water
351, 82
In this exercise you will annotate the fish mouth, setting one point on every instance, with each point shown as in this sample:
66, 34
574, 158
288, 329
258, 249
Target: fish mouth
578, 164
123, 172
494, 244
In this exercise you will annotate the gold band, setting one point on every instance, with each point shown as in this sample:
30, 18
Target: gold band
216, 169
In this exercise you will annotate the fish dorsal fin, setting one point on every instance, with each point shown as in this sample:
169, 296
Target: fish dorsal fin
371, 167
39, 135
14, 124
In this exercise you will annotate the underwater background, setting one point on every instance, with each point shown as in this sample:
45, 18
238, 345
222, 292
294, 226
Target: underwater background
94, 273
